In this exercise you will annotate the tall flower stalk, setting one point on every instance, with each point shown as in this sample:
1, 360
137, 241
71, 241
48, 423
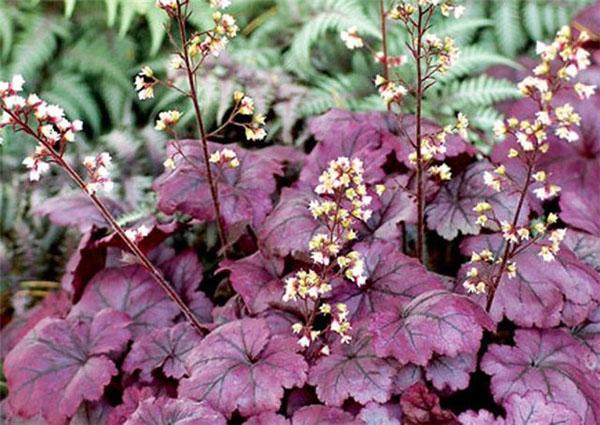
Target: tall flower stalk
192, 50
53, 133
431, 56
561, 61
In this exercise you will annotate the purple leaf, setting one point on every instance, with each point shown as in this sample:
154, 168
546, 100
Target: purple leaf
396, 205
482, 417
585, 246
92, 413
407, 376
77, 211
434, 322
169, 411
542, 293
322, 415
184, 273
451, 372
158, 232
392, 279
55, 304
244, 192
547, 361
166, 348
292, 218
132, 397
131, 290
352, 370
267, 418
256, 278
581, 208
533, 408
421, 407
378, 414
240, 366
367, 136
588, 336
452, 212
87, 260
61, 363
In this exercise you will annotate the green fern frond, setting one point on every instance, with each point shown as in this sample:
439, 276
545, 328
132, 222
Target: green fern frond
331, 16
6, 31
473, 59
478, 91
510, 34
75, 97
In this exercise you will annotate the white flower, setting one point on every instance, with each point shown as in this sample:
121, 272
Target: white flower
138, 234
167, 119
220, 4
351, 38
17, 83
584, 91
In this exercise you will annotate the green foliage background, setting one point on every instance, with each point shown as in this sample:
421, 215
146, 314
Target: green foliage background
83, 55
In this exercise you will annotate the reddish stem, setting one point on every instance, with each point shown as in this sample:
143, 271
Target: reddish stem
200, 124
135, 250
418, 113
384, 46
509, 247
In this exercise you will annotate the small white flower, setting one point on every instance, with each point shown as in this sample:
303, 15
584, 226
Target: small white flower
352, 39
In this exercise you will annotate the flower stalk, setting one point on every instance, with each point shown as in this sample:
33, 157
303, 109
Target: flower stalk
19, 123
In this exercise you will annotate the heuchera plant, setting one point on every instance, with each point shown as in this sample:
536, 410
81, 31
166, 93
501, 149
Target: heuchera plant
311, 309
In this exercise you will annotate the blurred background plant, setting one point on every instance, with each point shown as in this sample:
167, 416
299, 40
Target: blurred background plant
83, 55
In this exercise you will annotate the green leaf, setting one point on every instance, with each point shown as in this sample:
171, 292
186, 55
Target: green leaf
6, 31
69, 7
534, 21
473, 59
507, 25
70, 92
478, 91
111, 11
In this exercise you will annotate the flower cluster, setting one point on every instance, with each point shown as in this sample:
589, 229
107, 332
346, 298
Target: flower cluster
560, 62
485, 266
244, 105
344, 203
215, 40
167, 120
352, 39
225, 158
435, 144
98, 172
444, 50
390, 91
51, 126
138, 234
145, 82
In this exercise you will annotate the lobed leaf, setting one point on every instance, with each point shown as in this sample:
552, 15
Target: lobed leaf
63, 362
169, 411
240, 366
542, 294
130, 290
434, 322
164, 348
393, 279
244, 192
352, 370
546, 361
